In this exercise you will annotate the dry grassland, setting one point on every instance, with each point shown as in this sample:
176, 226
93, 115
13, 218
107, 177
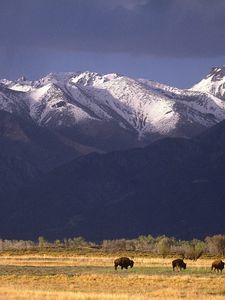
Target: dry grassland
93, 277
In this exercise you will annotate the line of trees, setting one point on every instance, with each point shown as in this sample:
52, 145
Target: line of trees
160, 245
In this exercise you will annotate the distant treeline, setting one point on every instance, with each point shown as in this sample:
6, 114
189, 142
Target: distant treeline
160, 245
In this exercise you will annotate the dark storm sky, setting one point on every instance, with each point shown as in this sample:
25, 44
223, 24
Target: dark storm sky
172, 41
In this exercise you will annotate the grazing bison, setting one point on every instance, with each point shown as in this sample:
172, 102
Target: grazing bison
178, 264
123, 262
217, 265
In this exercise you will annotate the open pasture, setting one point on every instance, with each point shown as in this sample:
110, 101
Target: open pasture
93, 277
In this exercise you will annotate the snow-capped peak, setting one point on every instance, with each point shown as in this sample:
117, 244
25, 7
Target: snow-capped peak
217, 73
213, 83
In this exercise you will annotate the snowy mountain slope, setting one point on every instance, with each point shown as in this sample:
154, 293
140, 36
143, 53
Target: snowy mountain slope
13, 101
87, 101
213, 83
197, 103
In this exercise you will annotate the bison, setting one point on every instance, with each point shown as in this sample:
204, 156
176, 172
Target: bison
217, 265
178, 264
123, 262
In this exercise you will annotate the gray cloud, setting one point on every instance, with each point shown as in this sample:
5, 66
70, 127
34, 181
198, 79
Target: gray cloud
168, 28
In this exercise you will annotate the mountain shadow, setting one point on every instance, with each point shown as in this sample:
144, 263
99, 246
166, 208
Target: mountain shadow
175, 186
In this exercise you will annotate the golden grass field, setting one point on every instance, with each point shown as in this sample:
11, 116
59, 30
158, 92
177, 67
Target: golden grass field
58, 277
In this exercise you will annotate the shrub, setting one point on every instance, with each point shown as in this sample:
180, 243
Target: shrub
164, 245
216, 244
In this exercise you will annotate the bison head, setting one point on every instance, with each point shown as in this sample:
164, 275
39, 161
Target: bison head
184, 265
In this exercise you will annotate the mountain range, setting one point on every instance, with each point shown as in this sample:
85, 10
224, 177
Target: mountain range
107, 156
114, 112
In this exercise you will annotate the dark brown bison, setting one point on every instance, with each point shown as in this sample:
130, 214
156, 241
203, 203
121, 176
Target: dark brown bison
123, 262
178, 264
217, 265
